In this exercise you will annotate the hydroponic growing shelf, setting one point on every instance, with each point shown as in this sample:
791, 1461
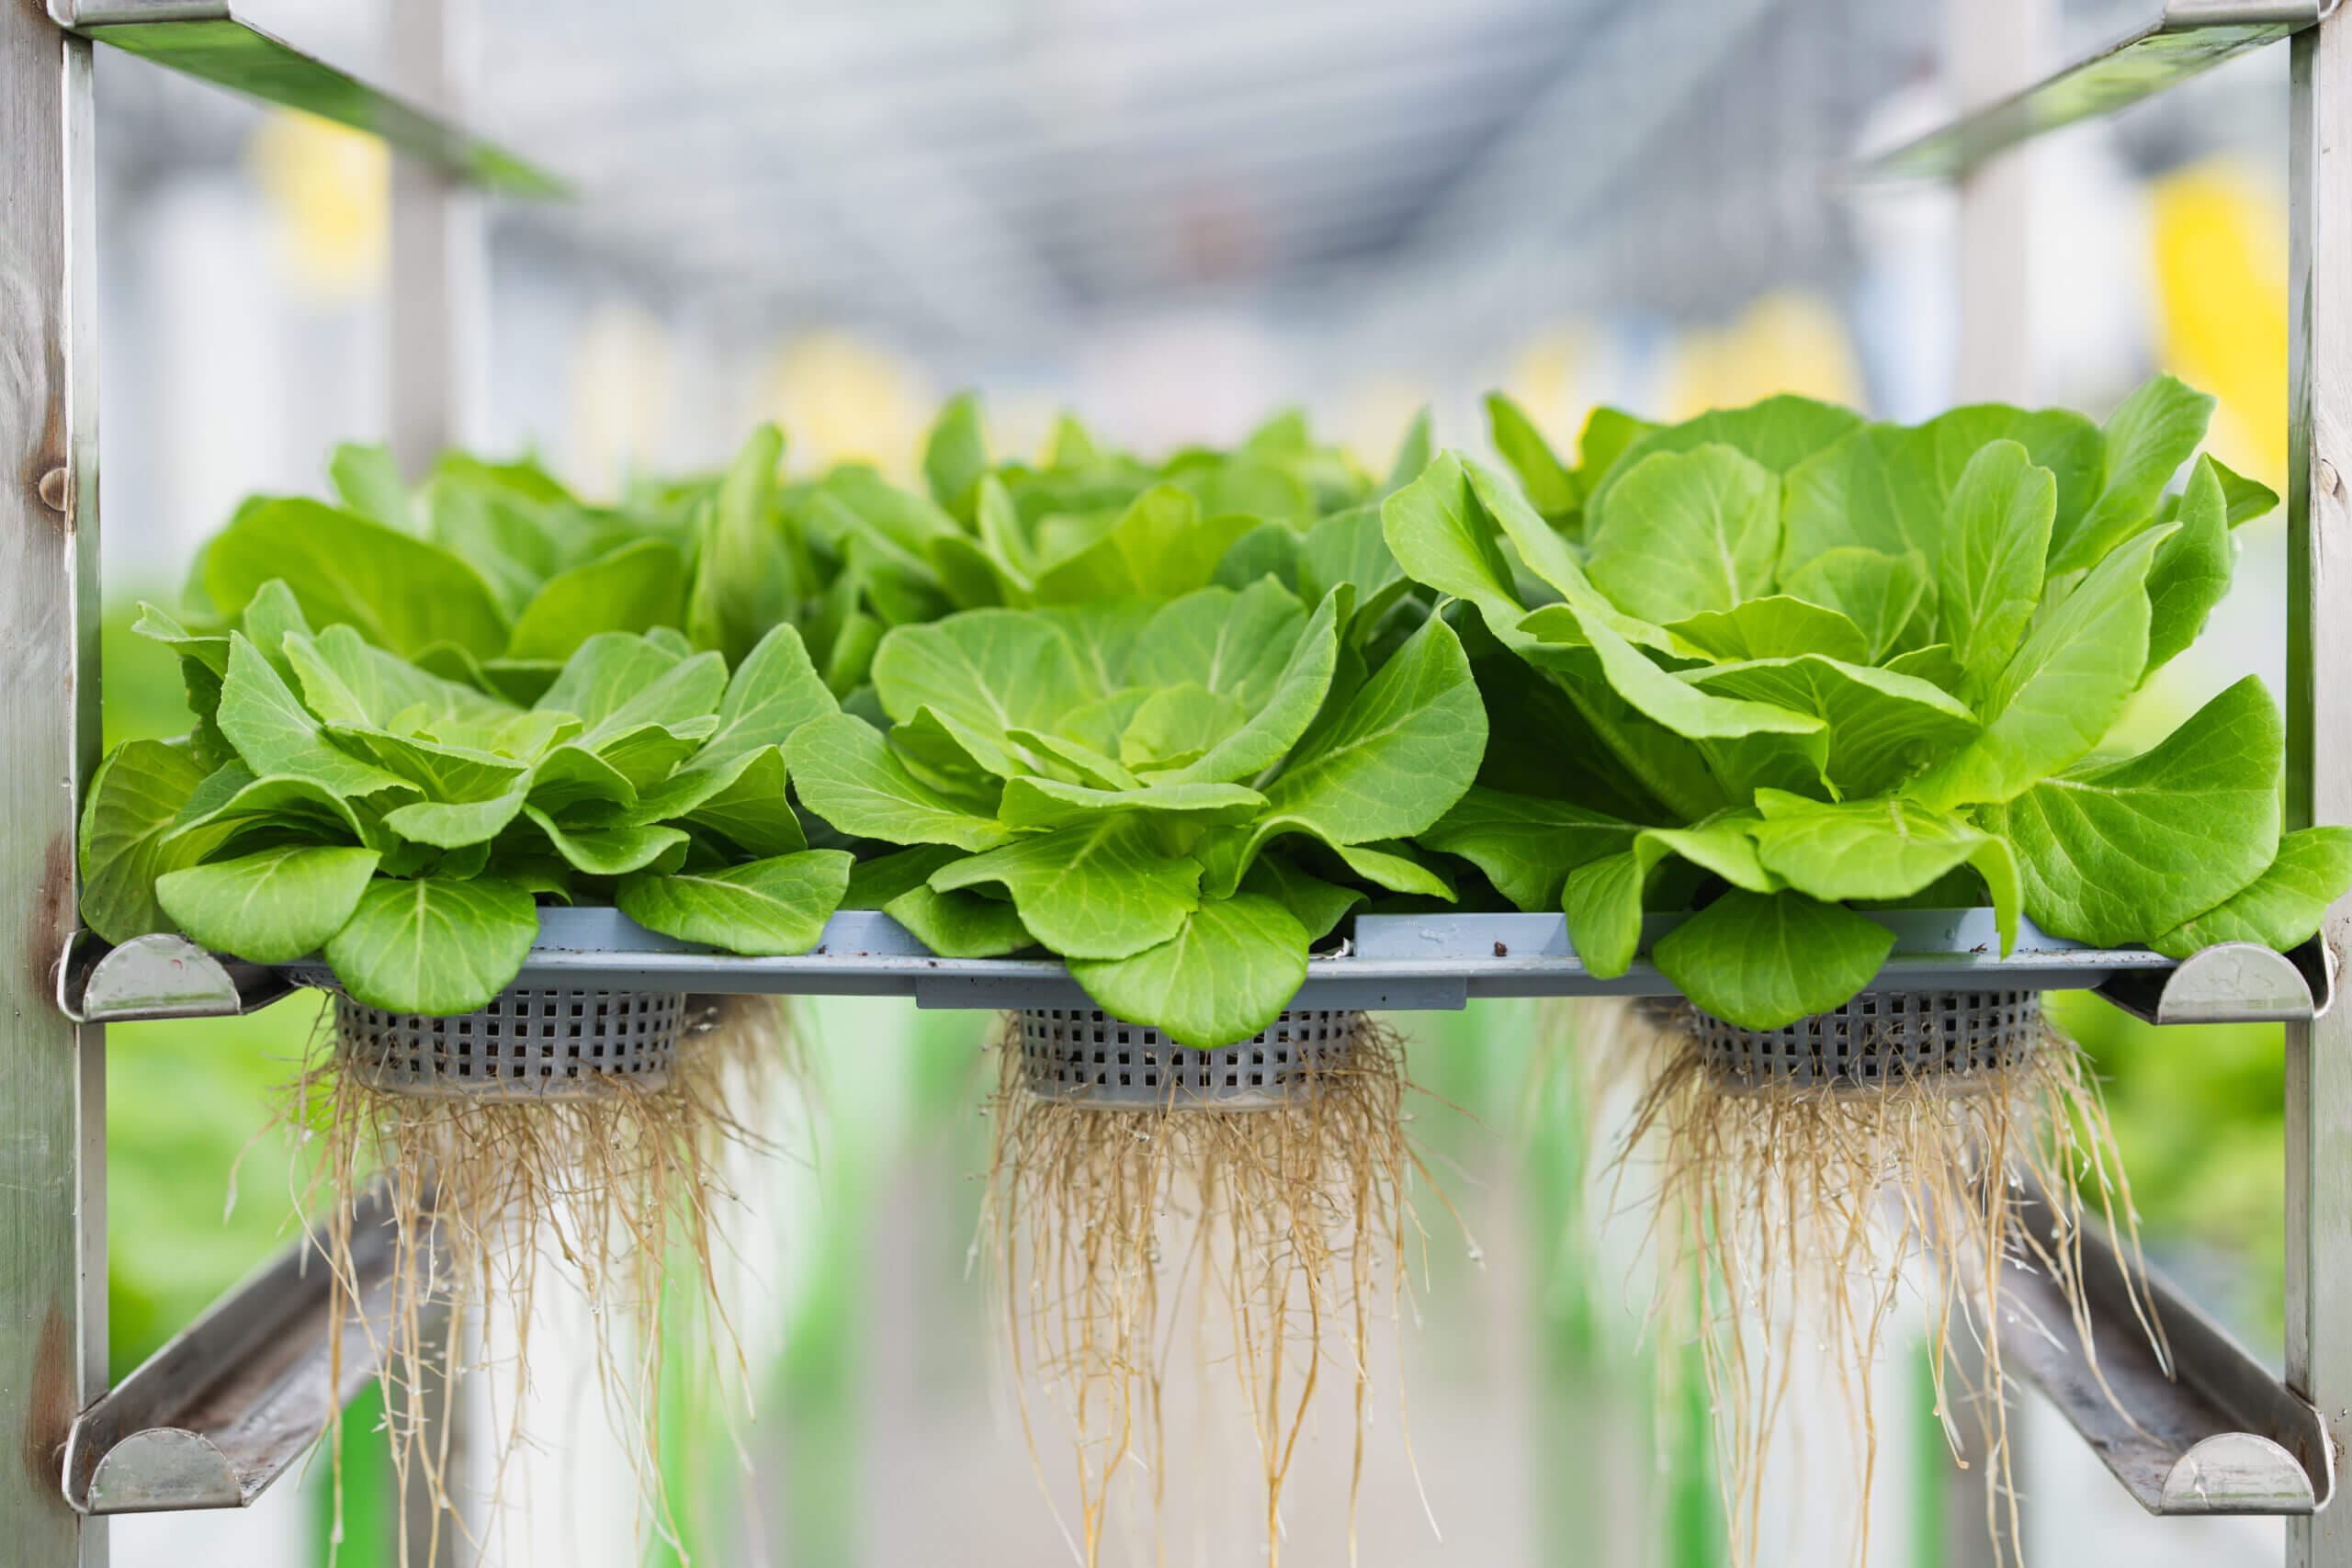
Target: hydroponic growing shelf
1390, 962
223, 1410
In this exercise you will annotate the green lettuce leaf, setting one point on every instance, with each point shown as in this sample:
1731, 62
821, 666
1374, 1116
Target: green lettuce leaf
960, 925
1317, 905
125, 836
847, 775
1102, 888
1686, 533
1763, 961
772, 693
611, 850
1162, 544
2147, 439
271, 907
1778, 627
368, 481
400, 592
1779, 433
1287, 711
763, 908
956, 454
2191, 570
1400, 754
1047, 802
1552, 489
2059, 693
744, 582
1525, 845
1877, 593
1882, 727
2283, 907
1997, 537
2120, 852
638, 586
1227, 972
990, 671
1881, 851
436, 945
273, 733
1603, 898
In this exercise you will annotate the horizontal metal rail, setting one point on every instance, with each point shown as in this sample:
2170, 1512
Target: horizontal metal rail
1403, 964
2215, 1432
240, 1395
2190, 37
213, 40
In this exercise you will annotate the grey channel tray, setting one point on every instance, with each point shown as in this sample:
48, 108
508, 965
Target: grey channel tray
1418, 962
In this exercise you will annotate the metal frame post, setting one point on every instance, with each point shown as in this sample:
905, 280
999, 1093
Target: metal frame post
1996, 46
52, 1110
421, 286
2319, 733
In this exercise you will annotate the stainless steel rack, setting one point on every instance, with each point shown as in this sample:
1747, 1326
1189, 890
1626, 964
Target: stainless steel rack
1390, 962
219, 1414
2188, 39
2208, 1442
2210, 1431
221, 43
242, 1392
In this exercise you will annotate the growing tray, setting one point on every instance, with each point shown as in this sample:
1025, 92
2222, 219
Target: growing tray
1418, 962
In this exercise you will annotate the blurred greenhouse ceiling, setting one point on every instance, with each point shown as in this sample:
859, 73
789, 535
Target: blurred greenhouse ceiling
995, 167
987, 171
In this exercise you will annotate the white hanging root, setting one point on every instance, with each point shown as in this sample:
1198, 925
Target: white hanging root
1782, 1208
611, 1188
1294, 1222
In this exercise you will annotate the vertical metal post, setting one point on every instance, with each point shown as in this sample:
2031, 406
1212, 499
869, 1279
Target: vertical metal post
2318, 731
1994, 46
431, 221
53, 1110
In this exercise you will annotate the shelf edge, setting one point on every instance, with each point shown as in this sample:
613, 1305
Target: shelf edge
236, 1398
210, 40
2187, 39
2213, 1432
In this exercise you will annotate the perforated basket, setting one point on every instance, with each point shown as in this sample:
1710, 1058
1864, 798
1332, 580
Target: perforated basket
1087, 1056
528, 1044
1879, 1038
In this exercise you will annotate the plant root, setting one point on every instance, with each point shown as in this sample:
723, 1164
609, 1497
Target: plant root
1282, 1229
1785, 1210
619, 1192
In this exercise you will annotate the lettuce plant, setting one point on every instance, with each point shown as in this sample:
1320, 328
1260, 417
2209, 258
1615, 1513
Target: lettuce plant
1777, 665
1090, 523
492, 574
337, 798
1179, 796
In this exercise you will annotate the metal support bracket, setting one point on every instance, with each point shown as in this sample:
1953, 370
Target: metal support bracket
2232, 982
160, 975
2216, 1433
2191, 37
239, 1395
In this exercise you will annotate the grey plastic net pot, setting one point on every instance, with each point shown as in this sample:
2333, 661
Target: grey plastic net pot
530, 1044
1877, 1040
1086, 1057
